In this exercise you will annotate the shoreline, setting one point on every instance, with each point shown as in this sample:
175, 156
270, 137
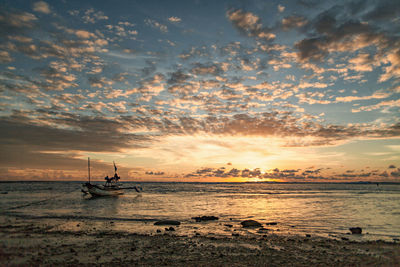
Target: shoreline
31, 243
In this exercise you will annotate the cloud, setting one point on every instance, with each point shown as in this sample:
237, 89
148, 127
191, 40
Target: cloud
174, 19
84, 34
393, 70
249, 24
93, 16
5, 57
388, 103
376, 95
41, 7
363, 62
155, 24
122, 29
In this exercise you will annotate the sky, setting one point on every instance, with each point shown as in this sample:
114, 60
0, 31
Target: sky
290, 91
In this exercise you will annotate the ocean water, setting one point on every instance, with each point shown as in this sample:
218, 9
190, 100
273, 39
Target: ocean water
316, 209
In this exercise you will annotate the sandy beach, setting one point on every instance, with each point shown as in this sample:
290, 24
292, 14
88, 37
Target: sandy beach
30, 243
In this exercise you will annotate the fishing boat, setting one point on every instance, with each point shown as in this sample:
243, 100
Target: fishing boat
110, 188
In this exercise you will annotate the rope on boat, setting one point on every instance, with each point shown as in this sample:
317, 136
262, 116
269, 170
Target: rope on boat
40, 201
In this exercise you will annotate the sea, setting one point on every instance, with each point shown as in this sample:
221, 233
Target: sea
316, 209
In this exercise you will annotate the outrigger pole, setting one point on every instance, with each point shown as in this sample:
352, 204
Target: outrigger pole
88, 163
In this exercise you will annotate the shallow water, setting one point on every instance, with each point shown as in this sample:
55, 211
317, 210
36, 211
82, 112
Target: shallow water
317, 209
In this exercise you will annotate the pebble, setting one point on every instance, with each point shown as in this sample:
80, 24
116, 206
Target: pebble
205, 218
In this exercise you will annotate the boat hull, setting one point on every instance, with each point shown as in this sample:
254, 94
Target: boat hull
101, 191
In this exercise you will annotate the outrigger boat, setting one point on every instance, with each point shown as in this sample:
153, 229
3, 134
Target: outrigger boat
110, 188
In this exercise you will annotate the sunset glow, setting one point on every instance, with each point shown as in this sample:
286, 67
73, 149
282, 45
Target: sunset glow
297, 91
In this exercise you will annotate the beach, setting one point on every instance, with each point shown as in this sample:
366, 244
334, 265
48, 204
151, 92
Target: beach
200, 224
28, 242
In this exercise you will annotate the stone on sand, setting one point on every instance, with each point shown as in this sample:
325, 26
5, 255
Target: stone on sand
167, 222
250, 223
205, 218
355, 230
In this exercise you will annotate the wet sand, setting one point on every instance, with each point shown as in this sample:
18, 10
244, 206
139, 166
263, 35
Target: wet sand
27, 243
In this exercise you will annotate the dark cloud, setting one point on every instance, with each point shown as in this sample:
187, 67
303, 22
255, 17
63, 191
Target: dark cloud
99, 82
288, 174
283, 124
384, 10
154, 173
395, 174
384, 174
178, 77
332, 30
293, 22
26, 142
206, 69
56, 79
150, 68
12, 23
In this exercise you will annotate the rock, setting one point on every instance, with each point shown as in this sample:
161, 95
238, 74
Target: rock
250, 223
355, 230
345, 239
308, 235
235, 234
170, 229
271, 223
262, 230
205, 218
167, 222
158, 231
228, 225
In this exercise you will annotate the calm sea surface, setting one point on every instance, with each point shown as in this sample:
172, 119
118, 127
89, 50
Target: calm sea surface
317, 209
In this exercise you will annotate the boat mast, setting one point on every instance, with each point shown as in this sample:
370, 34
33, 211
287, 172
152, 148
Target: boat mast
88, 162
